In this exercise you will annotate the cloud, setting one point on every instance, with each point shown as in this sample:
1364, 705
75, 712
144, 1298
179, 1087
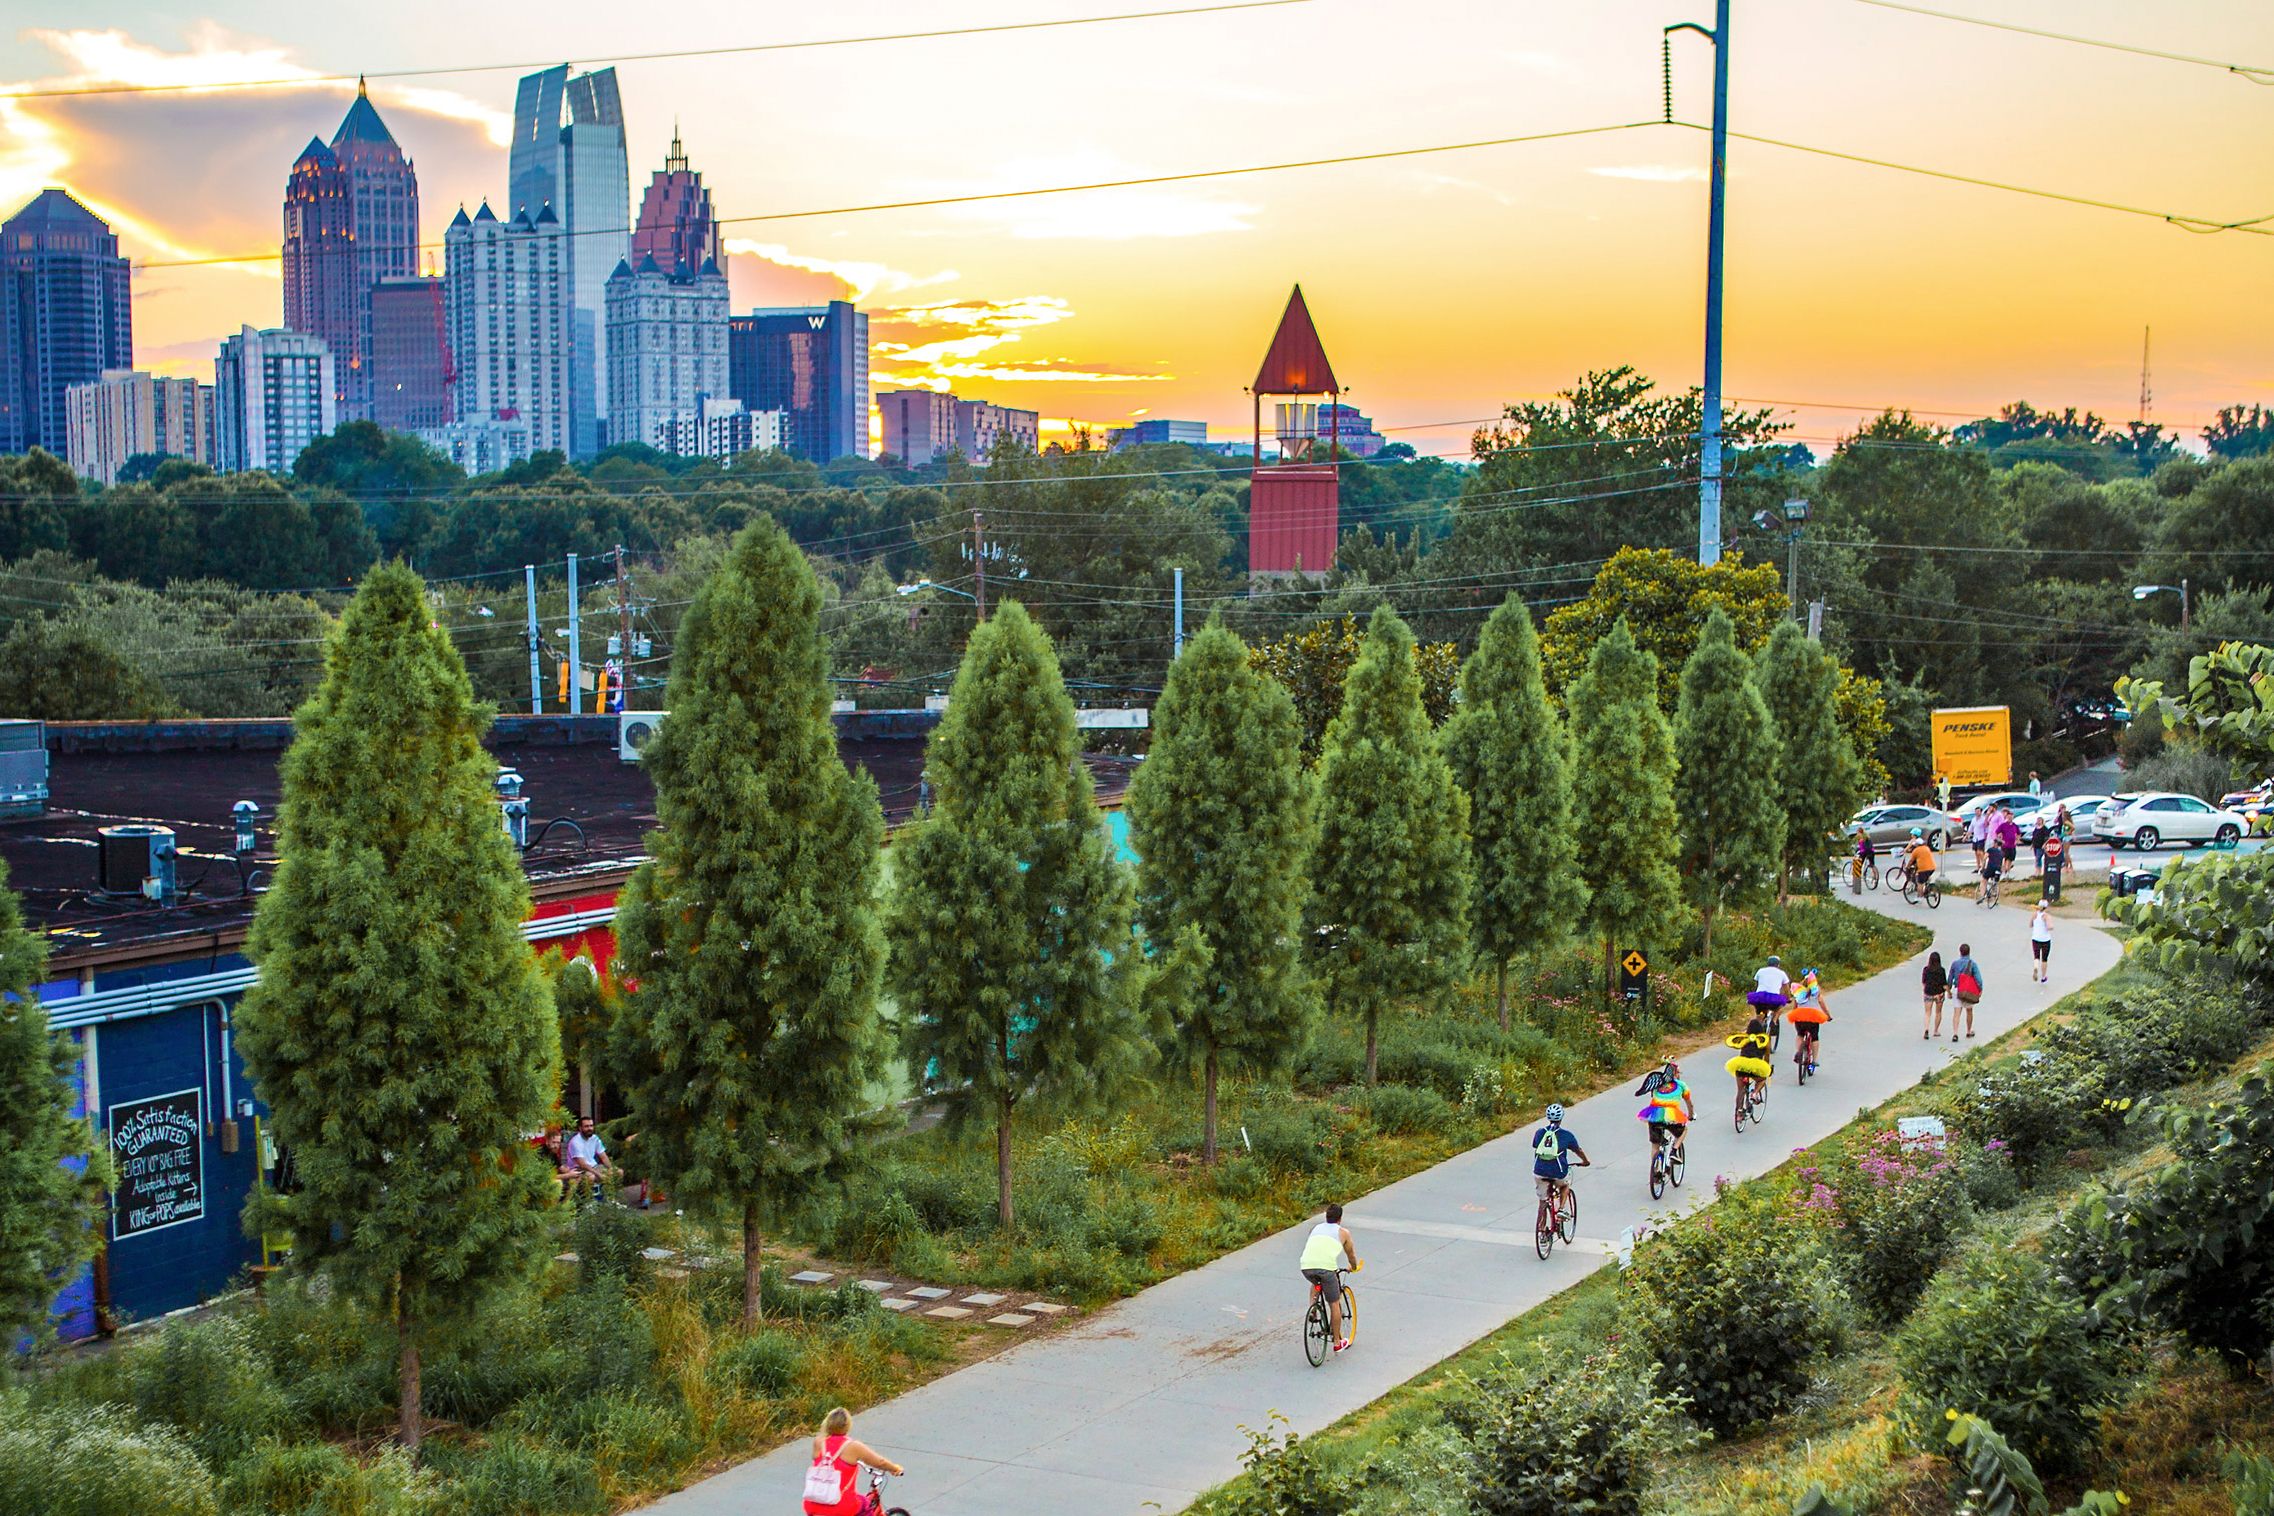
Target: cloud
933, 345
859, 278
1652, 173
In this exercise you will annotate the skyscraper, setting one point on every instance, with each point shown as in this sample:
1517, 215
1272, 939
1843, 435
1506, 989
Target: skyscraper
666, 348
919, 425
506, 322
65, 316
410, 370
582, 172
350, 220
813, 362
676, 226
273, 394
128, 412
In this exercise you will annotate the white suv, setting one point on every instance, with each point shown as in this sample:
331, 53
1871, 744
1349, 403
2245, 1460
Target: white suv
2150, 818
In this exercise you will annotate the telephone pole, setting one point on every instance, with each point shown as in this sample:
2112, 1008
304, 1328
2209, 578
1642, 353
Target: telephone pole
536, 675
1709, 439
624, 634
576, 643
979, 565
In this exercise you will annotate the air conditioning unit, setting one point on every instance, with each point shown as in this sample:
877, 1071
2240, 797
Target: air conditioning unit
635, 730
23, 768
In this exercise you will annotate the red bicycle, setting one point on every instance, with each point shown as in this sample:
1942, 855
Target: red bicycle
1559, 1217
873, 1504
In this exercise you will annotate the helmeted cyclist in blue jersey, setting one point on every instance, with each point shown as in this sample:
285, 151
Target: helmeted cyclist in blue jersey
1552, 1150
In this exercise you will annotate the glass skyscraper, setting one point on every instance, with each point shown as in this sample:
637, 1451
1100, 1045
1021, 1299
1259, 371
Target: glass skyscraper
582, 171
350, 220
811, 362
65, 317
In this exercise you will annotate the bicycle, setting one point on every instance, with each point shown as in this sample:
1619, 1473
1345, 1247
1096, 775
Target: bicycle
1988, 898
1559, 1217
872, 1503
1863, 874
1667, 1161
1749, 1097
1916, 890
1318, 1331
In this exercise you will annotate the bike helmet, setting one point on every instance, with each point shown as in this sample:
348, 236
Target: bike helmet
1555, 1115
1775, 961
1916, 832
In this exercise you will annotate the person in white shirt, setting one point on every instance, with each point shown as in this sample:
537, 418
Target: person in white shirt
2041, 943
1326, 1248
584, 1157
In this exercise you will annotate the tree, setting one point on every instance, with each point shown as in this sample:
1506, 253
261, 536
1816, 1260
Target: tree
1623, 799
1726, 791
1510, 755
1220, 817
52, 1172
1664, 598
1315, 663
2240, 432
59, 673
1390, 900
401, 1031
1012, 953
751, 934
1819, 779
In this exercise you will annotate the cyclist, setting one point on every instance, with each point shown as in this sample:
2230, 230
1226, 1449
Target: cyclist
1808, 1018
1325, 1251
1771, 992
1866, 854
837, 1460
1552, 1148
1671, 1108
1993, 870
1752, 1060
1921, 860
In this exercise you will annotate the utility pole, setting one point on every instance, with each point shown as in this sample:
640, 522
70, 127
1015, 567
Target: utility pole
2147, 396
536, 676
979, 565
1179, 612
576, 646
624, 635
1709, 440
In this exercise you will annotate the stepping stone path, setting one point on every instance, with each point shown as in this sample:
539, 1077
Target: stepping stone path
985, 1300
811, 1276
1043, 1308
1010, 1319
931, 1299
930, 1292
877, 1286
948, 1312
657, 1255
899, 1305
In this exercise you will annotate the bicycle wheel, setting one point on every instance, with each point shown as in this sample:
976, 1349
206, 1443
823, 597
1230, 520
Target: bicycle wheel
1743, 1110
1800, 1057
1776, 1031
1871, 876
1676, 1164
1567, 1216
1657, 1174
1934, 895
1349, 1314
1543, 1232
1315, 1328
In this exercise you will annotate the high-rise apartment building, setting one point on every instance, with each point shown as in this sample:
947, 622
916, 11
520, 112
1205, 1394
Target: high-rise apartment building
410, 367
506, 322
274, 392
350, 220
127, 413
1351, 430
721, 429
979, 426
919, 425
1159, 429
666, 347
581, 171
479, 447
676, 226
813, 363
65, 317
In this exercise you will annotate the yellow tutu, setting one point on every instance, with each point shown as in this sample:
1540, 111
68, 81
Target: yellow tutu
1757, 1067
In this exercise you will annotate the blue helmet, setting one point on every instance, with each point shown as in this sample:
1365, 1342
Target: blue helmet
1555, 1115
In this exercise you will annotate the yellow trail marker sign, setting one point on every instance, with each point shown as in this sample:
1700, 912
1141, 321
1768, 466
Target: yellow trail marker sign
1634, 963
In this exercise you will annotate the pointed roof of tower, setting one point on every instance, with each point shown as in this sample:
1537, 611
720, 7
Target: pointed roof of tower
55, 207
315, 152
1297, 362
675, 162
362, 123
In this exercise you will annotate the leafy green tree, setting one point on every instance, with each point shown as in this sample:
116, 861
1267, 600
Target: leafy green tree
52, 1172
1819, 779
1623, 799
38, 492
2240, 432
1726, 790
1314, 665
1220, 817
1390, 896
59, 673
751, 934
1664, 598
400, 1030
1509, 752
1013, 957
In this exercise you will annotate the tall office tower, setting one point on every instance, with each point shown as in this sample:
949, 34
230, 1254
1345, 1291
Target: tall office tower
582, 172
128, 413
273, 394
919, 425
666, 348
410, 367
676, 226
506, 322
350, 220
65, 316
812, 362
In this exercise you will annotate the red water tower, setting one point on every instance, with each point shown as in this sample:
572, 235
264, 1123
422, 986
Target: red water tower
1294, 505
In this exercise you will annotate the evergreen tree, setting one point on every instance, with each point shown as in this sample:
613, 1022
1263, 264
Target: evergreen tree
1220, 816
752, 933
1728, 791
1623, 799
1391, 875
1508, 750
1012, 954
52, 1173
401, 1032
1820, 778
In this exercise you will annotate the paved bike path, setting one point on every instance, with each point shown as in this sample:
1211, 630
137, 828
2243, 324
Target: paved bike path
1138, 1406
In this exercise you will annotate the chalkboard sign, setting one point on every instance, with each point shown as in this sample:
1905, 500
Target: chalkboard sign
158, 1148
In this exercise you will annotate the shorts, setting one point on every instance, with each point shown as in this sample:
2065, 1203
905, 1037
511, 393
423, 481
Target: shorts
1663, 1132
1765, 999
1329, 1280
2008, 851
1541, 1183
2041, 951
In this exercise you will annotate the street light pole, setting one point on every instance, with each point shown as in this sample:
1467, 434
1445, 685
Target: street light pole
1709, 438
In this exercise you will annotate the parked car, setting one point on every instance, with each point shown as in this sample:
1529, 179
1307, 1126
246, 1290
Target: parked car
2016, 801
1886, 824
2257, 798
2082, 808
2150, 818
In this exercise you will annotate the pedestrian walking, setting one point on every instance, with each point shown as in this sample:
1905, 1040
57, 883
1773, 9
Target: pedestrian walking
1966, 984
2035, 789
2041, 943
1978, 830
1934, 979
2005, 834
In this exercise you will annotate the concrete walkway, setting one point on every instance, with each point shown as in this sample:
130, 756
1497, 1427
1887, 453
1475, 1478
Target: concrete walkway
1138, 1407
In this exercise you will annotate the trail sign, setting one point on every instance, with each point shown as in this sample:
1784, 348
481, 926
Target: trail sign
1634, 974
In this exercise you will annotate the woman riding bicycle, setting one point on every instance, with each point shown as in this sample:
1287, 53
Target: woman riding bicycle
1752, 1060
1866, 855
1671, 1108
837, 1461
1808, 1017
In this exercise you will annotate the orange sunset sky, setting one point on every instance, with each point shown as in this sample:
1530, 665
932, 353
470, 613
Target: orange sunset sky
1444, 285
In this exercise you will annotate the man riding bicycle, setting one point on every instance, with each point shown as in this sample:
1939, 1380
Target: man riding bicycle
1921, 859
1866, 854
1325, 1251
1671, 1108
1772, 991
1552, 1148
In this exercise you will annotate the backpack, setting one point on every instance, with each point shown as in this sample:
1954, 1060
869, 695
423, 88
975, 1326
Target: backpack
1548, 1146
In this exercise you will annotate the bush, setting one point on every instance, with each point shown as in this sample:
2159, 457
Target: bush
1892, 1214
1407, 1110
1427, 1056
608, 1240
764, 1363
1296, 1136
2187, 768
1986, 1169
1240, 1177
1284, 1477
1541, 1443
518, 1347
609, 1341
641, 1441
514, 1476
317, 1479
334, 1359
2039, 1108
1734, 1304
1998, 1335
94, 1461
206, 1379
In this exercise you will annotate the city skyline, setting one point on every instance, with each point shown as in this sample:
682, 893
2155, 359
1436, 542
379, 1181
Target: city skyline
1471, 279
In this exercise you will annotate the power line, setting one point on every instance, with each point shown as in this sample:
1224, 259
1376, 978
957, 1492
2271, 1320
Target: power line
2250, 72
74, 91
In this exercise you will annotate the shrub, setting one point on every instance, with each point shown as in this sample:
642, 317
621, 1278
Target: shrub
1427, 1056
514, 1476
1407, 1110
2039, 1108
317, 1479
206, 1379
516, 1348
1891, 1214
1734, 1304
1296, 1136
1579, 1439
608, 1240
641, 1442
1241, 1177
764, 1363
611, 1345
1998, 1335
1485, 1091
1285, 1477
1986, 1169
334, 1360
94, 1461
